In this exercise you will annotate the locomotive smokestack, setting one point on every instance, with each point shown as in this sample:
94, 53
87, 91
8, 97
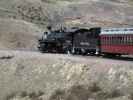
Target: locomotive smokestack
49, 28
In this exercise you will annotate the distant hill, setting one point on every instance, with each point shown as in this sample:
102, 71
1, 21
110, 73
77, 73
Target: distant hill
77, 12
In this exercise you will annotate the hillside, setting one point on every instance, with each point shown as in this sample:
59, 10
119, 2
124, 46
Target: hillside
85, 13
33, 76
40, 13
18, 34
55, 12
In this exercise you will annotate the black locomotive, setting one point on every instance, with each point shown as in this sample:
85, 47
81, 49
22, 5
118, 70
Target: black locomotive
55, 41
74, 40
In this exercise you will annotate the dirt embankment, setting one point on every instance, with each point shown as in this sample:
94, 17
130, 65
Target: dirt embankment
33, 76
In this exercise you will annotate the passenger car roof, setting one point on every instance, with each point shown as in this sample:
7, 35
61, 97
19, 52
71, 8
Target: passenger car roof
116, 31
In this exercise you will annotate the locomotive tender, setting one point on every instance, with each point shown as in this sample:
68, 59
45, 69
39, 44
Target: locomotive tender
85, 41
111, 41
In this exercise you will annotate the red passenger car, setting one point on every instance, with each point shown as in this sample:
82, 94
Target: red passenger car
117, 41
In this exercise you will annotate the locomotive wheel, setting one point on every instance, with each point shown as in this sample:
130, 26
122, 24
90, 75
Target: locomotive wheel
85, 52
92, 53
68, 52
109, 55
75, 51
118, 55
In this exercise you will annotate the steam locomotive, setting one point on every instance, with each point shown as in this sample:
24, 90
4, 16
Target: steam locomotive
110, 41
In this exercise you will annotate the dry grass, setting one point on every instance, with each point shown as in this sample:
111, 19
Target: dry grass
24, 95
81, 92
58, 77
